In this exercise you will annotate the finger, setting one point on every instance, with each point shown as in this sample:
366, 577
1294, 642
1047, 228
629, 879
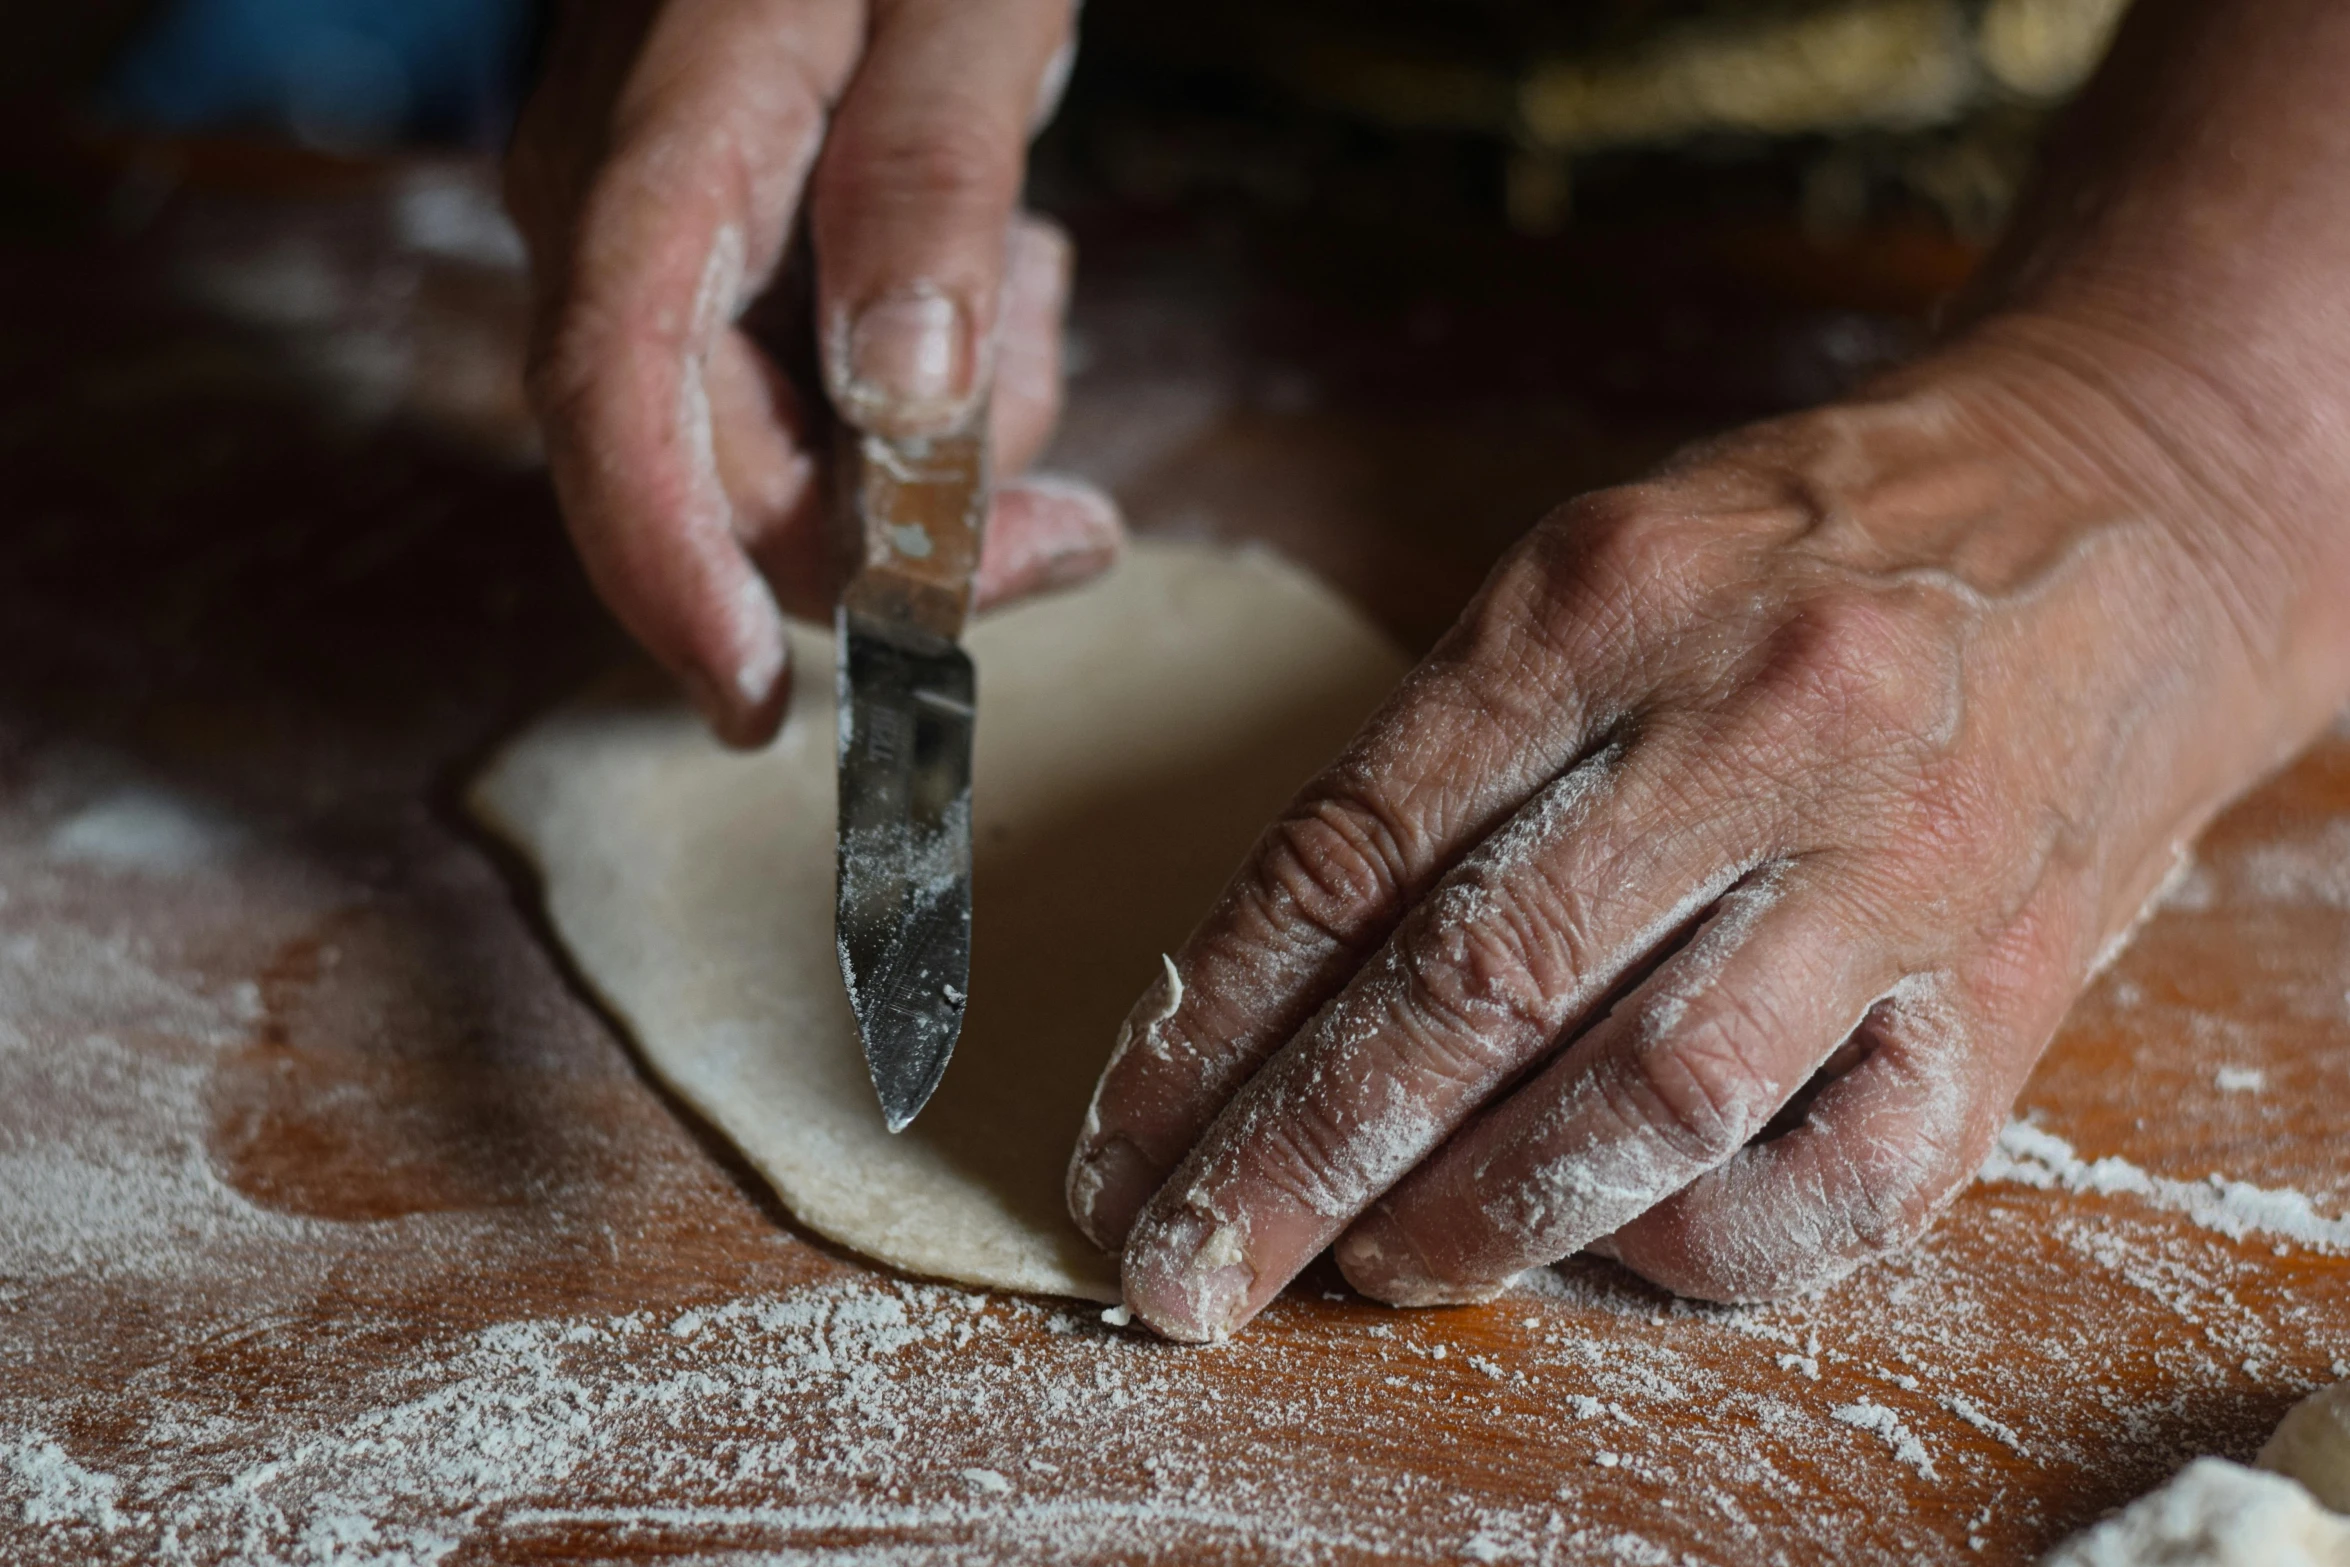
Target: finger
687, 215
1506, 702
1675, 1081
912, 204
1511, 951
1046, 532
767, 467
557, 139
1880, 1152
1025, 402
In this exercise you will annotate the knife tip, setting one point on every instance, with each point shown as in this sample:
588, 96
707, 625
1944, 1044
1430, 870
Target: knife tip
899, 1115
903, 1086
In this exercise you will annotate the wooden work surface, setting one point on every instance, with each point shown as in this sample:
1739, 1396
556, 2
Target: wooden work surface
335, 1225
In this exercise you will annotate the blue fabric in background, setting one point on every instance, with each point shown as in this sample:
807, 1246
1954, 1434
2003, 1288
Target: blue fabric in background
342, 74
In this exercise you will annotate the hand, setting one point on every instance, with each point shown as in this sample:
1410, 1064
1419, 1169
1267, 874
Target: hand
1707, 895
656, 174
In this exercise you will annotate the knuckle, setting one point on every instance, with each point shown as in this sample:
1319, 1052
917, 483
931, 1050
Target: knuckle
1851, 667
1581, 602
1628, 542
1327, 869
1303, 1160
926, 166
1572, 583
1960, 817
1483, 976
1890, 1201
569, 373
1701, 1095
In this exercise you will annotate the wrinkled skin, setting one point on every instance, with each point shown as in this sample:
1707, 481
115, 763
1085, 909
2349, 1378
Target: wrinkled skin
1706, 896
1861, 733
657, 173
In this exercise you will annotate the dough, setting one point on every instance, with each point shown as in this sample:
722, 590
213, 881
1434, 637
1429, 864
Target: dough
1133, 739
2313, 1446
2215, 1514
2218, 1514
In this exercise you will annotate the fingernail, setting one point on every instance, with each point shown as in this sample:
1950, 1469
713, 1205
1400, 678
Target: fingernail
907, 361
1189, 1278
1108, 1183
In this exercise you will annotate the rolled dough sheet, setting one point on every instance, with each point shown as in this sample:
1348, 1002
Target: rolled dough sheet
1133, 739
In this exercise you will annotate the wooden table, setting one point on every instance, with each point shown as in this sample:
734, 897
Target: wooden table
335, 1224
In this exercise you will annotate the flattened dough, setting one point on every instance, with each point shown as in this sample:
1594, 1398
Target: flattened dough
1133, 739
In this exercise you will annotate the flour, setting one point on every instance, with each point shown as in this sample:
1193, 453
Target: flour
60, 1491
493, 1433
269, 1390
146, 830
1868, 1415
2215, 1514
2236, 1209
440, 212
2311, 872
1998, 1431
906, 859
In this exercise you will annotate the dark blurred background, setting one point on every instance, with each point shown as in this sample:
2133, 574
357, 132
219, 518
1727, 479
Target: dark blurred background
1821, 170
1374, 281
1517, 111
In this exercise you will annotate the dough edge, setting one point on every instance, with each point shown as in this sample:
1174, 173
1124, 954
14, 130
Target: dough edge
519, 797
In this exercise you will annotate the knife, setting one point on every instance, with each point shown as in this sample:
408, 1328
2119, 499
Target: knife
915, 509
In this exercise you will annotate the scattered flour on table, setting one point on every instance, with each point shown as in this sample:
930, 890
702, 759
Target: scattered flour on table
60, 1491
864, 1420
2312, 871
1869, 1415
145, 830
894, 1423
2033, 1157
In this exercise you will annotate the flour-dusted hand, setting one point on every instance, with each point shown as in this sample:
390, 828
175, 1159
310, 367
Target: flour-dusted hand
657, 173
1709, 892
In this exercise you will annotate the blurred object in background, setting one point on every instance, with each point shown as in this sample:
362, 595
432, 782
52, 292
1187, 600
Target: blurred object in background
395, 293
1532, 111
344, 75
1587, 226
315, 176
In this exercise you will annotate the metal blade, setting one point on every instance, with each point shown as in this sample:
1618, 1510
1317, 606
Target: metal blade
903, 919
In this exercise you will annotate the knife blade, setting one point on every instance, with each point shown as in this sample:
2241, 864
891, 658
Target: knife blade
916, 509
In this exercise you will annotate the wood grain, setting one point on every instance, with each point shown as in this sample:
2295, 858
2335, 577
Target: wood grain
336, 1225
